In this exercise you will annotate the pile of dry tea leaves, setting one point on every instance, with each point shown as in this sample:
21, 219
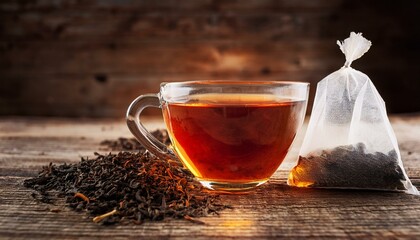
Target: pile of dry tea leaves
129, 144
126, 187
349, 167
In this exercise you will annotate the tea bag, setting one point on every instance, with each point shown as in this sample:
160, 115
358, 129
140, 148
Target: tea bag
349, 142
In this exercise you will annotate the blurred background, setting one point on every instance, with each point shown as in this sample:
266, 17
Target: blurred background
73, 58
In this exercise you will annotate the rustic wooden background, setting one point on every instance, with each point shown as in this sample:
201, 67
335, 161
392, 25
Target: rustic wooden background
91, 58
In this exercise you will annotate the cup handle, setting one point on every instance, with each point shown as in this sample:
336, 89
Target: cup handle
140, 132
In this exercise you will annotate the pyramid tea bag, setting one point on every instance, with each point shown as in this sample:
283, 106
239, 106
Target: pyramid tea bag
349, 142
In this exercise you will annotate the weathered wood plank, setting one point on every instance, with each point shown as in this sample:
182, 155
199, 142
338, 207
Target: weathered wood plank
72, 25
168, 6
37, 141
178, 57
272, 211
205, 57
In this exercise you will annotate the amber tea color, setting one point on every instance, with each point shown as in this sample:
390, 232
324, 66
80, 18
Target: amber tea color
233, 137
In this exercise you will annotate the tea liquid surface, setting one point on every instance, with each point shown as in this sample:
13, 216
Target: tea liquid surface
233, 137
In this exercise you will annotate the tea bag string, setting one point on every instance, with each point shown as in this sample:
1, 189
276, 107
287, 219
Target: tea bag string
347, 64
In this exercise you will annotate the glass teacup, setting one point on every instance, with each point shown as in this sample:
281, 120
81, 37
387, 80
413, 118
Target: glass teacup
232, 135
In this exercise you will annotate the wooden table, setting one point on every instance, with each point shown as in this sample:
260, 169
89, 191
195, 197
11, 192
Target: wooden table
272, 211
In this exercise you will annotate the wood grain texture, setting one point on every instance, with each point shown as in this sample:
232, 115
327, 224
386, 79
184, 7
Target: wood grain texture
91, 58
272, 211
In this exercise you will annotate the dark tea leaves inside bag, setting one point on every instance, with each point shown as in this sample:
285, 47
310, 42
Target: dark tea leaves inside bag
356, 169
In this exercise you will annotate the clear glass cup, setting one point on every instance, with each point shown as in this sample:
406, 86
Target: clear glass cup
232, 135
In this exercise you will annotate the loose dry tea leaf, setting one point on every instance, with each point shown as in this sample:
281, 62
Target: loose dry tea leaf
349, 167
126, 187
128, 144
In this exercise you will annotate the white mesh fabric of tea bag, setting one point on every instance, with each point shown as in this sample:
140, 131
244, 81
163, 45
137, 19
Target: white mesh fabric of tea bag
349, 142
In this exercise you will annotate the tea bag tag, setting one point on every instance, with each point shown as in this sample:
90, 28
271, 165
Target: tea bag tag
354, 47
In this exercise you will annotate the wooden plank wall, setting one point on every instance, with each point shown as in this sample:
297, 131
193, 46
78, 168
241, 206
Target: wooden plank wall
91, 58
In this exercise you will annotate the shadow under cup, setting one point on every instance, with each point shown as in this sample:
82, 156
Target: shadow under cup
232, 135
